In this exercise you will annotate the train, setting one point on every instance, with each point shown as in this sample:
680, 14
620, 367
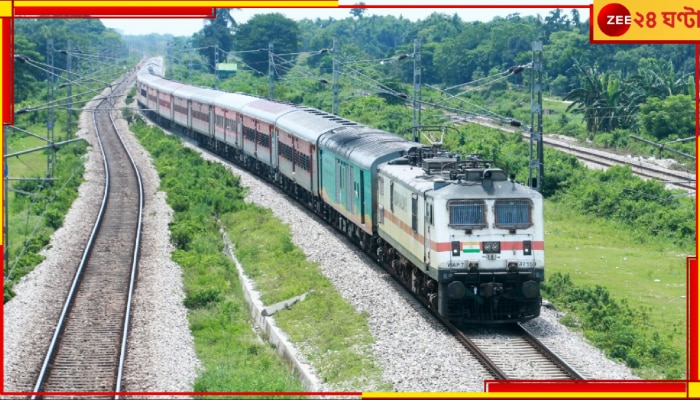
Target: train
460, 233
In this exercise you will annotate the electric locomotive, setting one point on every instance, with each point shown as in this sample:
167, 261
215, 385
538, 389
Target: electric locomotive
463, 236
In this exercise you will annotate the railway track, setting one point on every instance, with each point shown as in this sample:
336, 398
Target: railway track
672, 178
510, 347
88, 347
676, 179
503, 349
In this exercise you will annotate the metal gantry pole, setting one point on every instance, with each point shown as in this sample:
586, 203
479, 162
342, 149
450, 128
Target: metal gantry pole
334, 107
416, 88
50, 81
536, 135
69, 89
270, 71
216, 70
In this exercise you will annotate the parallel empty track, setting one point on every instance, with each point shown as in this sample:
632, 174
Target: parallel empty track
673, 178
87, 350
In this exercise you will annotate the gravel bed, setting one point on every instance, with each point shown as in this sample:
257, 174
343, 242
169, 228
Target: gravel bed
571, 346
417, 354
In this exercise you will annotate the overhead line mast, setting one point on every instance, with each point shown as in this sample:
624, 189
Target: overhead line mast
536, 136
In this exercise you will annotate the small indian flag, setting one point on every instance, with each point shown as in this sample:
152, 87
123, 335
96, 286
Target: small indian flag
471, 247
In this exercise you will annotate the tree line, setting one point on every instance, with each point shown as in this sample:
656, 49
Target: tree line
641, 88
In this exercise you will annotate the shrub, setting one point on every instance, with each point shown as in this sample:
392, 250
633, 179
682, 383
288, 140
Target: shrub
202, 297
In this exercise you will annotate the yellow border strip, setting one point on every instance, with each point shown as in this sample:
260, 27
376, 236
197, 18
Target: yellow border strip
155, 3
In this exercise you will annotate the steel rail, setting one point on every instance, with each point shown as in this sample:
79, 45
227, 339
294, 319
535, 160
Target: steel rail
567, 368
134, 265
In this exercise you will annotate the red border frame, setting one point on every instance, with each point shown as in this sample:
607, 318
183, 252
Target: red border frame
656, 387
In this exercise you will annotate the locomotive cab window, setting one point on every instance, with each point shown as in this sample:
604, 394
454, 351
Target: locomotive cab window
467, 214
513, 214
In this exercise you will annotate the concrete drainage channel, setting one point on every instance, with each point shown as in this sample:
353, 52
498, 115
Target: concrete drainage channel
262, 317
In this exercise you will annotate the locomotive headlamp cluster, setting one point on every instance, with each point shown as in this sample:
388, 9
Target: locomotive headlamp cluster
472, 265
492, 247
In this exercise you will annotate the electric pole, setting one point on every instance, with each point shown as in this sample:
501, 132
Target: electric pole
536, 136
50, 81
416, 88
216, 70
334, 109
69, 89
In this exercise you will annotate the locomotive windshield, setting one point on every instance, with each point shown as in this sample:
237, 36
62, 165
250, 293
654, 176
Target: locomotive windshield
468, 214
512, 214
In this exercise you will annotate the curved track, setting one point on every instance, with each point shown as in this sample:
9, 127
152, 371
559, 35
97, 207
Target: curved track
87, 351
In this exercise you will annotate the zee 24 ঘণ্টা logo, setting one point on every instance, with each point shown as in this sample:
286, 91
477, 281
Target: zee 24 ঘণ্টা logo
614, 19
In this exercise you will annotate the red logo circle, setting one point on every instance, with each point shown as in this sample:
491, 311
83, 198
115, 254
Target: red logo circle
614, 19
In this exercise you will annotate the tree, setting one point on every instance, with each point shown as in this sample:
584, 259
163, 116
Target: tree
358, 11
606, 101
673, 115
216, 35
259, 32
26, 77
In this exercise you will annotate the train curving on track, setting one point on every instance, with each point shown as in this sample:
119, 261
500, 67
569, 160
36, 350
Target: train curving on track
458, 232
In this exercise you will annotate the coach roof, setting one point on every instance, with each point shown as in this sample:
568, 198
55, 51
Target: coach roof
363, 145
310, 123
233, 101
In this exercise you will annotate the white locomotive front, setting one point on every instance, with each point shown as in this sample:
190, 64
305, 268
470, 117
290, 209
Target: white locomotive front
463, 236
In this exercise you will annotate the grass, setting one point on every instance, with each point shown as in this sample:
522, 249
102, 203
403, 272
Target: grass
30, 164
36, 212
233, 357
335, 338
651, 277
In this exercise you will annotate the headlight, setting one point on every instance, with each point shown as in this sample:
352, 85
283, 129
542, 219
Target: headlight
492, 247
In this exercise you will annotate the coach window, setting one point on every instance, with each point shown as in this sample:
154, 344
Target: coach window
414, 212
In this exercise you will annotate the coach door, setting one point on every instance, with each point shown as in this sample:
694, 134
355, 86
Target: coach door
273, 147
189, 114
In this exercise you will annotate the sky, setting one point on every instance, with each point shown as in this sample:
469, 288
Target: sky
187, 27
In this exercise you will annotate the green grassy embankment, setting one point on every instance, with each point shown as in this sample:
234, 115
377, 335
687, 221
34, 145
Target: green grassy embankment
627, 297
